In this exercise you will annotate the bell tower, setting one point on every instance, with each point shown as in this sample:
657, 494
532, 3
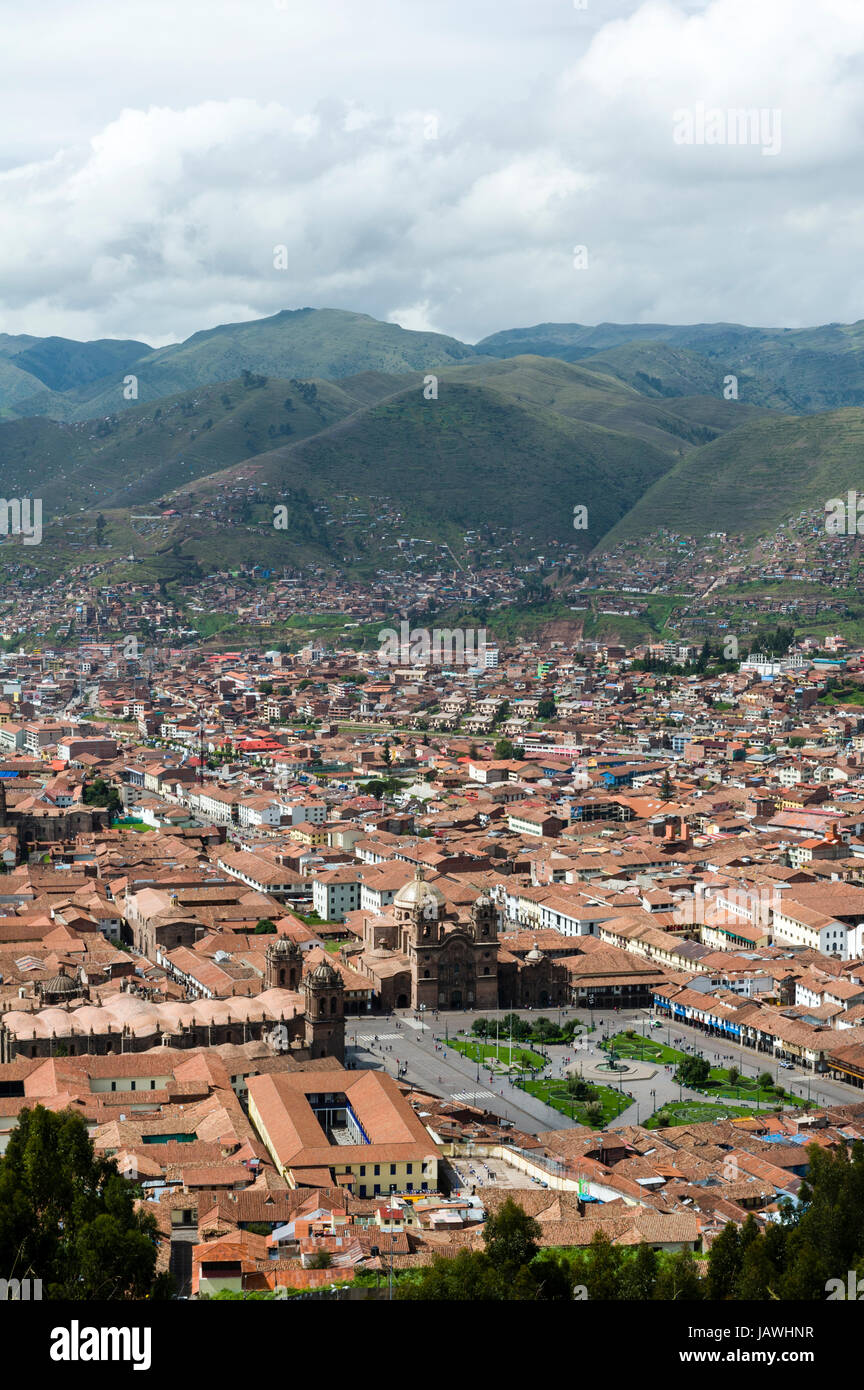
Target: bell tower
325, 1012
284, 965
484, 919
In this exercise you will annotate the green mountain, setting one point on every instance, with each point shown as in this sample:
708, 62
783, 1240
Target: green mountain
47, 367
302, 343
795, 370
473, 457
754, 477
331, 415
131, 458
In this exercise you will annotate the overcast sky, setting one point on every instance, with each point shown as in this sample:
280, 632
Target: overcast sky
432, 163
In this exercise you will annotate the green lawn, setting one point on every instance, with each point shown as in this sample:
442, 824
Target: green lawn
501, 1056
555, 1093
719, 1085
641, 1048
691, 1112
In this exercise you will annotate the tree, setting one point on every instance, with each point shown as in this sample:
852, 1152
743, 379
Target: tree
69, 1218
264, 927
503, 749
766, 1081
546, 709
514, 1026
693, 1071
678, 1281
511, 1237
100, 529
322, 1259
639, 1275
724, 1263
579, 1089
101, 793
543, 1029
733, 1074
469, 1277
603, 1276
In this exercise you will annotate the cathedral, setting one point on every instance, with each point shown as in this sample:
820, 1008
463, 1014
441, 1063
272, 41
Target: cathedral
45, 825
422, 961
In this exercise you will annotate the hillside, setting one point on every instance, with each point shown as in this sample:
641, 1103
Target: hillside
754, 477
131, 458
48, 366
302, 343
795, 370
470, 458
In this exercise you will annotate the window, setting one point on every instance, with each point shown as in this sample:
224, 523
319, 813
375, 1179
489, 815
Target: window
377, 1172
409, 1167
362, 1170
392, 1169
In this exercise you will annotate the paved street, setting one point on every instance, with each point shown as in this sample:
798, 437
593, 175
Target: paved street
440, 1070
431, 1065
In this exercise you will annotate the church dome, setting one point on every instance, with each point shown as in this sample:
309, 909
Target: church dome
60, 984
324, 976
418, 893
283, 946
534, 954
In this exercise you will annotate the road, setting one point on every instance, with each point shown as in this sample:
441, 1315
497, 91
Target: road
437, 1068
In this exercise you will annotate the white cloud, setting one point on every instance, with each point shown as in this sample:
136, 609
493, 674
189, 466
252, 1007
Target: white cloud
446, 159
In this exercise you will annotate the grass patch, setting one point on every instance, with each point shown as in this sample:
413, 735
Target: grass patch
502, 1056
555, 1093
691, 1112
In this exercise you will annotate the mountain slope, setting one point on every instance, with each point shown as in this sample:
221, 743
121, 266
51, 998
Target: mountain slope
302, 343
796, 370
468, 459
134, 457
754, 477
582, 393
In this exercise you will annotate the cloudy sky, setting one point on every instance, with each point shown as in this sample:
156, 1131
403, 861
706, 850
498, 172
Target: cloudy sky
435, 164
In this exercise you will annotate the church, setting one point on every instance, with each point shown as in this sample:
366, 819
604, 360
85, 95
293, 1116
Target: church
37, 824
420, 959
